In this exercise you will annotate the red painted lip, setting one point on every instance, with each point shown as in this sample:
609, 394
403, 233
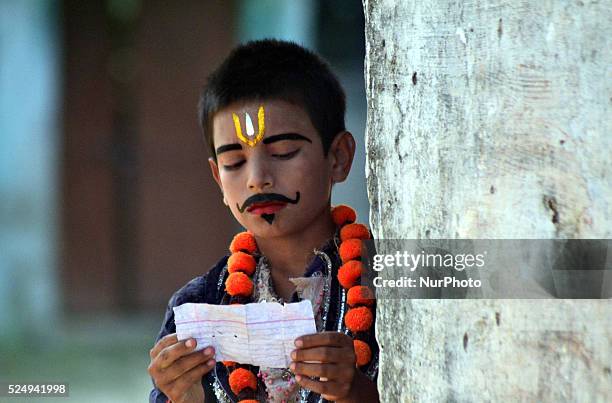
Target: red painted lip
266, 208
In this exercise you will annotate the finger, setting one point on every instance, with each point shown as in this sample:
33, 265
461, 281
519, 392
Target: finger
323, 354
180, 385
172, 353
184, 365
323, 371
162, 343
323, 339
332, 388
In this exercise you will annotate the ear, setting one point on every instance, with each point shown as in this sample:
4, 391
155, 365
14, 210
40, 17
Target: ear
341, 154
214, 169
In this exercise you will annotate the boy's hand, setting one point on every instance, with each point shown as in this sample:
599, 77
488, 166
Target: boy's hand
177, 370
334, 355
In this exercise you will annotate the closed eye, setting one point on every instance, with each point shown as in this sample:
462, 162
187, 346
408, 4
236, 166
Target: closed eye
287, 155
233, 167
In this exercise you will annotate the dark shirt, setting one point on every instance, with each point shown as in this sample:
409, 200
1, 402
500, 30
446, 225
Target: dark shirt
210, 289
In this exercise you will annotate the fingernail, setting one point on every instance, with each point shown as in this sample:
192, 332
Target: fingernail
298, 378
292, 367
293, 354
208, 351
190, 343
210, 363
299, 343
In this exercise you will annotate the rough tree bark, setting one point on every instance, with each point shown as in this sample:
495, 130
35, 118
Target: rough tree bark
491, 119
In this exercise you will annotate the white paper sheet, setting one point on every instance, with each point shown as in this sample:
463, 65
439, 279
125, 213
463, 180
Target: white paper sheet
260, 334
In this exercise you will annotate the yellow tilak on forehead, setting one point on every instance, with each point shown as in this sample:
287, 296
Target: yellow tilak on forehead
250, 139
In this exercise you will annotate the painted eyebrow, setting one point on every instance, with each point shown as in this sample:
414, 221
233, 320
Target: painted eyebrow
285, 136
267, 140
228, 147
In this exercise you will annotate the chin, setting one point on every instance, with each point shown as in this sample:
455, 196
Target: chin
282, 225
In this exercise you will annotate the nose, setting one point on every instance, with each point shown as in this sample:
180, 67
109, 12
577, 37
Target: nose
260, 177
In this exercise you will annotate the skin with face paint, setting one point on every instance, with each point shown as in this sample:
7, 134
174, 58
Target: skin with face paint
287, 161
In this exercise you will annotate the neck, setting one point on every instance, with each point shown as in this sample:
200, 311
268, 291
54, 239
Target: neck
289, 255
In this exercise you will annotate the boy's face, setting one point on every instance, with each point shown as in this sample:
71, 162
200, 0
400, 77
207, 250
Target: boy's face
278, 183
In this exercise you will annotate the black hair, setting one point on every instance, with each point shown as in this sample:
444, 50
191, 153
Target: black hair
272, 69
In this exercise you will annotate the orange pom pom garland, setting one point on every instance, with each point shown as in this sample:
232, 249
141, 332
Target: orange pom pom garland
360, 295
342, 215
351, 249
358, 231
241, 265
241, 262
359, 317
239, 285
242, 378
243, 242
363, 353
350, 273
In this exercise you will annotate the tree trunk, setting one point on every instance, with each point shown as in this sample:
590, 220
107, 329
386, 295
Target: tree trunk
491, 119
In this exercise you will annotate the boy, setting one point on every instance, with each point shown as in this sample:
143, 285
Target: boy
273, 118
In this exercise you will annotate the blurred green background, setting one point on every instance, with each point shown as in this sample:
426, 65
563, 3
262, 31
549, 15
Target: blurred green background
106, 203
